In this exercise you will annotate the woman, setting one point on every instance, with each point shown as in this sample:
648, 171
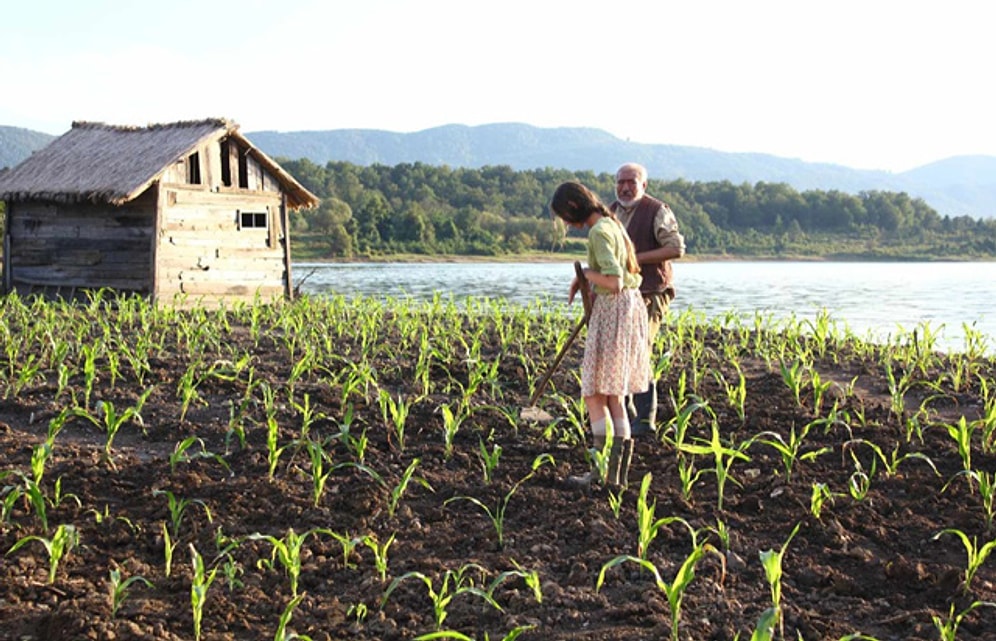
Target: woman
616, 362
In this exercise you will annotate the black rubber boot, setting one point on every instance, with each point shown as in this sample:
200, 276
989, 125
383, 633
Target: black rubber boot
624, 462
645, 420
619, 459
585, 480
615, 458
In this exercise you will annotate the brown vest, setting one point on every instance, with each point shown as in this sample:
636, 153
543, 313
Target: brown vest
657, 278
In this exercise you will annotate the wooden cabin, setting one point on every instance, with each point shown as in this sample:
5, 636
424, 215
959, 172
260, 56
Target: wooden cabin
186, 213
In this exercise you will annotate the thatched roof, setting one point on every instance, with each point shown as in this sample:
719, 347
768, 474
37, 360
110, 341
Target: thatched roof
106, 163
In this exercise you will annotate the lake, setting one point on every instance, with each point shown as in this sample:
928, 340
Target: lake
873, 299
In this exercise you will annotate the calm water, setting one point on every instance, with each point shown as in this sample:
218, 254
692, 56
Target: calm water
877, 300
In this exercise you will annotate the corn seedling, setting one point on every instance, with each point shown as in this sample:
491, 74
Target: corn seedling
512, 635
688, 476
402, 486
675, 590
722, 532
859, 483
9, 495
736, 392
319, 475
355, 444
347, 544
820, 389
489, 460
283, 633
28, 374
790, 451
961, 433
890, 462
454, 583
598, 458
110, 421
380, 553
63, 541
976, 555
497, 515
395, 414
723, 458
792, 376
169, 548
677, 428
898, 387
182, 454
89, 372
986, 482
359, 612
773, 572
199, 584
178, 507
615, 501
186, 388
452, 420
35, 496
948, 627
119, 588
820, 496
308, 415
273, 448
765, 628
287, 552
39, 457
648, 525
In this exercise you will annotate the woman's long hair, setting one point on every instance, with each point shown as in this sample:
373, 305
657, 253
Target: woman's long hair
574, 203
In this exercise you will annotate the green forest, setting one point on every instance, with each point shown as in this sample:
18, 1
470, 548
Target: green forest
416, 209
420, 209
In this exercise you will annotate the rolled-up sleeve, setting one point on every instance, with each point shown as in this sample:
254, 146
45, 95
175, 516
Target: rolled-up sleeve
666, 230
601, 253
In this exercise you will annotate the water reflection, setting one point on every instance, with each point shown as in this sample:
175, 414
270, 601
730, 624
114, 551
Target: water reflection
875, 299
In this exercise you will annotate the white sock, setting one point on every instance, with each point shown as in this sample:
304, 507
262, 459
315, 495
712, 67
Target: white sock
621, 429
598, 428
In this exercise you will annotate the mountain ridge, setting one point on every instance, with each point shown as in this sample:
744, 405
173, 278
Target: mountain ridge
955, 186
962, 185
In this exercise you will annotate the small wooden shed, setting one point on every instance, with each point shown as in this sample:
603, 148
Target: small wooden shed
187, 213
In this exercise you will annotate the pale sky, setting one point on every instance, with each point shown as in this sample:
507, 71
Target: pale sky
870, 84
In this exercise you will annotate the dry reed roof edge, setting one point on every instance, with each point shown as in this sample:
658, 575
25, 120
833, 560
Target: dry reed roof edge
98, 162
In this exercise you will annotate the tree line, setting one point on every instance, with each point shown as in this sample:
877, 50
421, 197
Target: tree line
424, 209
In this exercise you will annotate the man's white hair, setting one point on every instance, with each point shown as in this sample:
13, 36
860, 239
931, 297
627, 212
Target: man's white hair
640, 169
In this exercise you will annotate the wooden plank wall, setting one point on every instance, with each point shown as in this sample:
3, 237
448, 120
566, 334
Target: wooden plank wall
204, 257
81, 245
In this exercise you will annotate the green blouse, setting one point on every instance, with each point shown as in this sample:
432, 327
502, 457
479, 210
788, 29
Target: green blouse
607, 253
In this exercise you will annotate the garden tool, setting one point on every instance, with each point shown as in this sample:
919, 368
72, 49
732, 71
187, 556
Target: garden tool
532, 412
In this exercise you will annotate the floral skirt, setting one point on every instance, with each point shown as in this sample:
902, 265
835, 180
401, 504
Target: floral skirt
616, 351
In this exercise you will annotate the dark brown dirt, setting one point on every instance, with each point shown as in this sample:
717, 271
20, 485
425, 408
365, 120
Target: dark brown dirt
874, 566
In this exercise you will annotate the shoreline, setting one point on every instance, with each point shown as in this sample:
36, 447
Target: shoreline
547, 257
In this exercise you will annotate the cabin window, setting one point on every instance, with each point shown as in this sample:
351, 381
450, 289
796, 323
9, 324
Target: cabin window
194, 169
253, 220
234, 165
226, 164
243, 170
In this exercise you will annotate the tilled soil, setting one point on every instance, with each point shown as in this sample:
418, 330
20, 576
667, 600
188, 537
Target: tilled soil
872, 563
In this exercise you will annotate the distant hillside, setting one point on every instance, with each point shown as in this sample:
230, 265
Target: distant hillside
956, 186
964, 185
16, 144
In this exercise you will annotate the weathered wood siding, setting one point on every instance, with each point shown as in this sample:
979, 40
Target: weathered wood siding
211, 228
80, 246
204, 255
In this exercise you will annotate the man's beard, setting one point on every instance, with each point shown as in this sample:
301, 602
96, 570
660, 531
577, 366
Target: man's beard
627, 203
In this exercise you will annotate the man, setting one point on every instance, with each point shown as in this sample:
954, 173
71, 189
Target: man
654, 231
